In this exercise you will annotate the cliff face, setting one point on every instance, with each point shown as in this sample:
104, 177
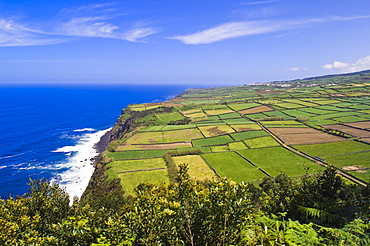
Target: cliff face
122, 126
101, 191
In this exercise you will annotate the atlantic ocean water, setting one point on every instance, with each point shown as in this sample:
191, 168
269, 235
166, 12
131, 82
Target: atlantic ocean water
49, 131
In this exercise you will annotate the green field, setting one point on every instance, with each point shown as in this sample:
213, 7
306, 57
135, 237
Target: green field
210, 131
145, 138
181, 135
230, 116
231, 165
168, 117
354, 159
261, 142
154, 153
242, 106
334, 148
275, 160
237, 145
249, 134
198, 168
130, 165
131, 180
126, 155
212, 141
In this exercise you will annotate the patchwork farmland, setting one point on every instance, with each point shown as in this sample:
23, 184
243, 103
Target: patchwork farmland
246, 133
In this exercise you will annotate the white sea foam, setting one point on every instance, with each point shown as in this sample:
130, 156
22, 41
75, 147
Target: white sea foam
84, 130
79, 164
10, 156
1, 167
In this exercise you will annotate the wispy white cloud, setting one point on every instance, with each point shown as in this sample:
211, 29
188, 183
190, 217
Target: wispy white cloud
261, 2
90, 21
98, 27
294, 69
89, 8
229, 30
247, 28
359, 65
137, 33
15, 34
88, 27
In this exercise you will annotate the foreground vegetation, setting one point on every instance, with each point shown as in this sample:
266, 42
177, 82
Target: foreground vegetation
318, 209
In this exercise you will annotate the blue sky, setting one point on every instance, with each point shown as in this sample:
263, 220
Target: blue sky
219, 42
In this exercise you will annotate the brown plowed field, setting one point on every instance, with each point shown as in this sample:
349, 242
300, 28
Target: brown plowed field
309, 138
166, 104
363, 124
293, 136
350, 130
366, 140
292, 130
255, 110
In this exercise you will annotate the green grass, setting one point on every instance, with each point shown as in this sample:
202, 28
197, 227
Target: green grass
316, 110
323, 101
146, 138
355, 159
261, 142
256, 116
125, 155
152, 129
181, 135
332, 115
241, 106
198, 168
176, 127
205, 149
333, 108
289, 105
212, 141
229, 116
237, 145
130, 181
231, 165
249, 134
274, 160
168, 117
218, 111
220, 148
282, 122
129, 165
349, 119
209, 131
278, 113
236, 121
297, 113
364, 176
154, 153
214, 106
333, 148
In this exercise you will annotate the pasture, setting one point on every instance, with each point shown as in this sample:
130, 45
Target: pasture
335, 148
231, 165
275, 160
198, 168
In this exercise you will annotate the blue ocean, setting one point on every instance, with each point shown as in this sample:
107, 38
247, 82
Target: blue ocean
49, 131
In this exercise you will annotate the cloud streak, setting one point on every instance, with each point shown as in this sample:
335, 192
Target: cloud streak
89, 25
246, 28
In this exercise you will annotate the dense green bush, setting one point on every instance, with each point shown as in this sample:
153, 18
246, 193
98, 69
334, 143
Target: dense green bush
284, 211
